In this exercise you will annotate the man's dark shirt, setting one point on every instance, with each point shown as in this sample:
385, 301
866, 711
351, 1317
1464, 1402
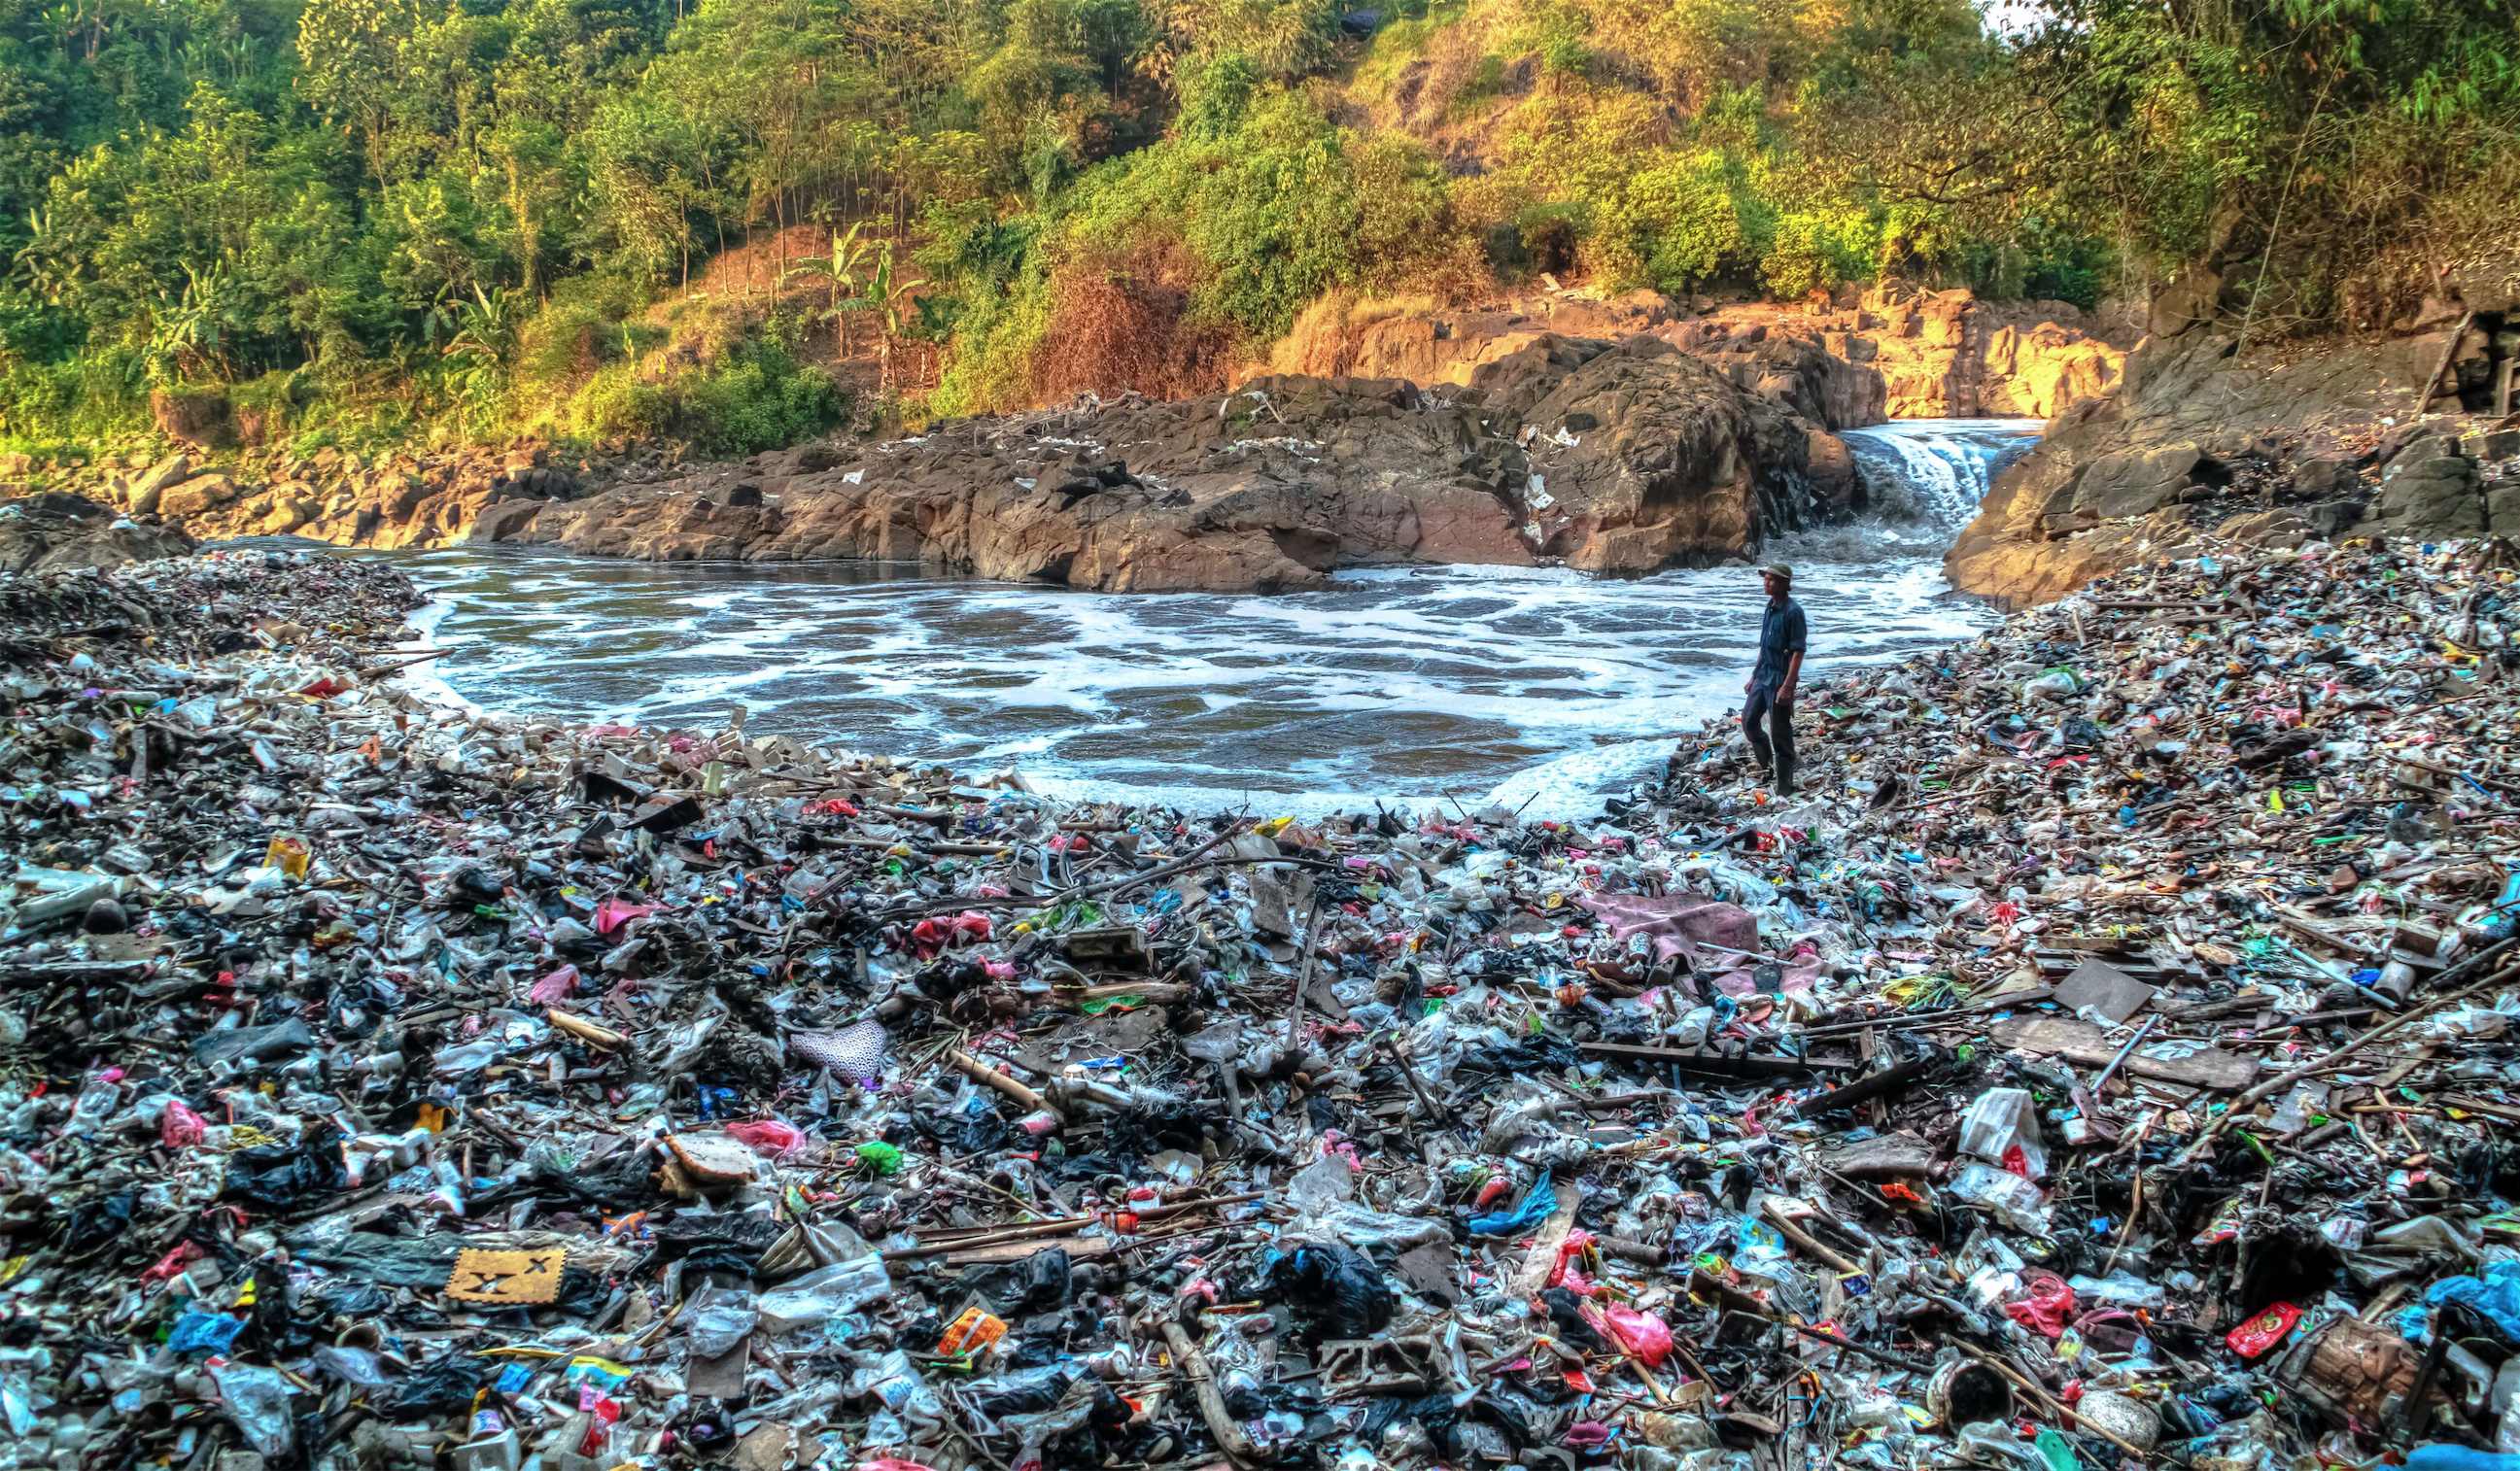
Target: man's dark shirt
1781, 635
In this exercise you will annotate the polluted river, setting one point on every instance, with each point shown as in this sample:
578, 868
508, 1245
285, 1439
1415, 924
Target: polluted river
1539, 688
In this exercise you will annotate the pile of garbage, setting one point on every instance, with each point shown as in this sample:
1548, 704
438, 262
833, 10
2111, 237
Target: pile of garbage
2105, 1061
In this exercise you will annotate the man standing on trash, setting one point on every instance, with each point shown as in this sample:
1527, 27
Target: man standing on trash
1783, 635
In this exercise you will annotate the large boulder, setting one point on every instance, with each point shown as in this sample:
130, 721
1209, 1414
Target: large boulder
197, 496
2431, 489
1645, 458
141, 495
54, 529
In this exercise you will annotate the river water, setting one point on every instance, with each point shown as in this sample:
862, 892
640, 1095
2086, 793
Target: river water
1526, 686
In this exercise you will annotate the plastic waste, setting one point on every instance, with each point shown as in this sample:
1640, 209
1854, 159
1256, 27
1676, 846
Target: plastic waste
2002, 1125
825, 1294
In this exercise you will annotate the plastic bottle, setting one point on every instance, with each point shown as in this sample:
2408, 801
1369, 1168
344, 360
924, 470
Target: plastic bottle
819, 1296
2058, 1452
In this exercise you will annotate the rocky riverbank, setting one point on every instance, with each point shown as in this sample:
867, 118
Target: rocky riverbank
2411, 432
2108, 1050
1620, 436
1621, 457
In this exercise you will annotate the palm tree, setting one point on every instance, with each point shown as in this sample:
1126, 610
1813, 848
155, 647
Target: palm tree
844, 270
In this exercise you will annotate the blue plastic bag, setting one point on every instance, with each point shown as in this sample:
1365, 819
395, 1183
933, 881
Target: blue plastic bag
1535, 1207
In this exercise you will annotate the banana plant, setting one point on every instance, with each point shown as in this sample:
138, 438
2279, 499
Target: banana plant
844, 271
892, 300
483, 333
188, 335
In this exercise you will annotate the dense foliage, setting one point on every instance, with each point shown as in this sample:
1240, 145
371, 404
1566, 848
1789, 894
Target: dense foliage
632, 217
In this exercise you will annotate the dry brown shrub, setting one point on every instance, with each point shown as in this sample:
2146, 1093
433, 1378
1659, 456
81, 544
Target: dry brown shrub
1122, 323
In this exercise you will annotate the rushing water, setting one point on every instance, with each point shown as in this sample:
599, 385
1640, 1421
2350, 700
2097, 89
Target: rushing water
1523, 685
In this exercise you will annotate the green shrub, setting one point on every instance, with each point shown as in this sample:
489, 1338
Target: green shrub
760, 397
615, 404
97, 397
577, 331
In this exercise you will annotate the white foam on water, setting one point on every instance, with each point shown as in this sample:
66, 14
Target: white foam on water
1410, 687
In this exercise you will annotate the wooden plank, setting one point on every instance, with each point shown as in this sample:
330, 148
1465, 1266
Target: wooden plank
1715, 1062
2079, 1041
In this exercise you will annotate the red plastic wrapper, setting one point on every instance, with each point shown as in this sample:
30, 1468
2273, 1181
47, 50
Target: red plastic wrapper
1641, 1334
2264, 1331
1569, 1253
937, 933
2050, 1302
613, 913
179, 1127
769, 1135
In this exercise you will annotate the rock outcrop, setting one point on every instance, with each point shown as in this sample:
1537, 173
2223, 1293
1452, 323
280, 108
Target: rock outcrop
1642, 447
1270, 487
2269, 447
1615, 456
1898, 352
56, 529
1948, 355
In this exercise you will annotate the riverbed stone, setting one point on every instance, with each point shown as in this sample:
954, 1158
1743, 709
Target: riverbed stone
143, 495
197, 496
2435, 494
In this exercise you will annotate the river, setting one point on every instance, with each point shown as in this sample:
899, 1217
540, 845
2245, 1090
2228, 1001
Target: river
1416, 686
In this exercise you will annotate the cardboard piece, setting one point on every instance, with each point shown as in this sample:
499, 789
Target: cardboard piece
507, 1278
2105, 989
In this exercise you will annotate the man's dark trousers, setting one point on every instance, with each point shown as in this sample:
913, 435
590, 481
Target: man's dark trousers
1762, 710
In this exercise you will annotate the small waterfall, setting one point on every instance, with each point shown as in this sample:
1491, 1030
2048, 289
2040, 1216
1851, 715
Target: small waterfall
1936, 470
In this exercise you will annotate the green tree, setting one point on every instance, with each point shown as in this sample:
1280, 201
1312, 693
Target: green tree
349, 64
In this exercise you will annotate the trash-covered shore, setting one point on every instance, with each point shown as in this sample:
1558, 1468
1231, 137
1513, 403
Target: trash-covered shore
2107, 1059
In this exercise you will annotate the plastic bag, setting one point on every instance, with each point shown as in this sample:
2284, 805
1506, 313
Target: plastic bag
718, 1319
2002, 1125
256, 1401
2049, 1302
1538, 1204
2015, 1201
817, 1297
2494, 1295
179, 1127
283, 1177
1646, 1337
1339, 1289
770, 1136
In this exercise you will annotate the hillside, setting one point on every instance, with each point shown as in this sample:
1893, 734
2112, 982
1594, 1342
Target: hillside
395, 223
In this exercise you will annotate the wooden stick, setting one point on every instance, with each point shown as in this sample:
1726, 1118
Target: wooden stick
1229, 1432
980, 1071
2450, 350
1811, 1245
1304, 974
